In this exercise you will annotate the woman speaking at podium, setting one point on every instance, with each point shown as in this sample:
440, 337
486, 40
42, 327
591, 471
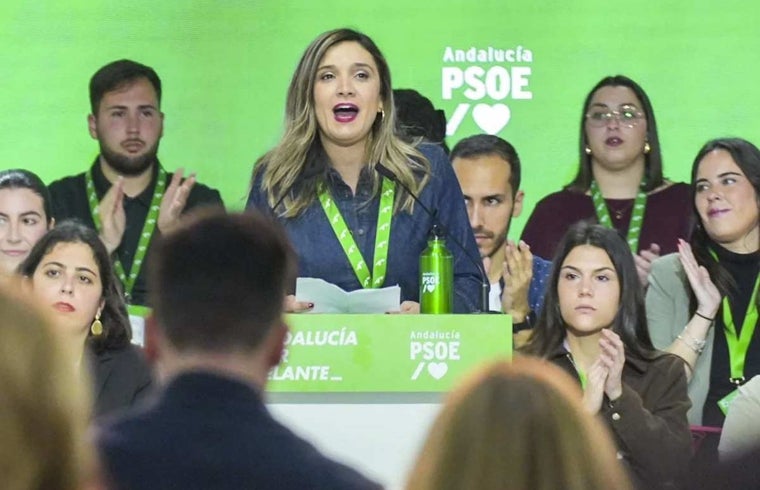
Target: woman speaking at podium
350, 225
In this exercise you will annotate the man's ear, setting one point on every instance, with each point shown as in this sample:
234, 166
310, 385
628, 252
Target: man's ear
276, 344
92, 126
517, 204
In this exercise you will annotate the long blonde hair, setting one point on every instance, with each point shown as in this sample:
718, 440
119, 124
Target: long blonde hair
517, 426
44, 407
300, 144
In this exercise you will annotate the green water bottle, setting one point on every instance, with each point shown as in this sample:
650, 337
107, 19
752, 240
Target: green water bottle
436, 276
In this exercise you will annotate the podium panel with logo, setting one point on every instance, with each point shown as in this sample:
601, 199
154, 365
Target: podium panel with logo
365, 388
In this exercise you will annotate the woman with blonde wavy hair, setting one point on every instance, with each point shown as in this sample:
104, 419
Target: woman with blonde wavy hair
43, 407
339, 125
518, 425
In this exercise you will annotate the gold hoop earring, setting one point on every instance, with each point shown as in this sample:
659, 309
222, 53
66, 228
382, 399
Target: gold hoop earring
587, 150
96, 329
382, 113
647, 148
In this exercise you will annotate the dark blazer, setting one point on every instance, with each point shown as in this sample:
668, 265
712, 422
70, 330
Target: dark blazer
648, 421
206, 431
119, 379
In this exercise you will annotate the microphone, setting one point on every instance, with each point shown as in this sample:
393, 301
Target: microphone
485, 284
309, 172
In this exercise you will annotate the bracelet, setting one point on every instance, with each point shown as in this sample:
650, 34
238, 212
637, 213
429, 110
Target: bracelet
700, 315
696, 345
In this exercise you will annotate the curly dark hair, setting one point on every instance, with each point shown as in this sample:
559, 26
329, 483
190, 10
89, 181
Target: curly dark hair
117, 332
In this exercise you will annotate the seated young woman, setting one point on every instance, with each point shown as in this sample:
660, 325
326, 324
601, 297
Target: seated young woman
593, 325
69, 273
24, 217
713, 280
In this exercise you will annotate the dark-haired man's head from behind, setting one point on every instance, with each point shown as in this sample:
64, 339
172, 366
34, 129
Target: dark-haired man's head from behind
488, 170
218, 284
418, 118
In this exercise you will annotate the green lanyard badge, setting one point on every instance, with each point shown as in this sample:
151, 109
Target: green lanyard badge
346, 239
637, 215
738, 345
147, 232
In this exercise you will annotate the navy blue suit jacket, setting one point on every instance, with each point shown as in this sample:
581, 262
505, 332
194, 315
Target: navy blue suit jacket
207, 431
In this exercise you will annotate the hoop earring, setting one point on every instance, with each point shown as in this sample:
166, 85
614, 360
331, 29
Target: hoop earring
647, 148
96, 329
382, 113
587, 150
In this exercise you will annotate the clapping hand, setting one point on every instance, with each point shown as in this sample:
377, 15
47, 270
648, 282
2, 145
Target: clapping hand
113, 219
593, 392
174, 200
644, 261
517, 274
612, 357
707, 294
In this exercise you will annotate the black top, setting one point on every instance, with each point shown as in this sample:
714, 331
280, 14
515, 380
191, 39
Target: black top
120, 378
69, 197
744, 269
209, 431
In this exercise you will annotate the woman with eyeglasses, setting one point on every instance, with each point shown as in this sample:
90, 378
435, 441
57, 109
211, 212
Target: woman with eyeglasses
619, 180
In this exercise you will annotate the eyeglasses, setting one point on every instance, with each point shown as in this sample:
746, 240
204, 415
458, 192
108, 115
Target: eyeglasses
627, 116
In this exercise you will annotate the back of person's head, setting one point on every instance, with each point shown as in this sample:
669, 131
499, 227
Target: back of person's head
118, 74
218, 281
417, 117
43, 405
480, 145
517, 426
24, 179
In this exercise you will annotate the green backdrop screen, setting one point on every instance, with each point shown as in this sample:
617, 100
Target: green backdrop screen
516, 69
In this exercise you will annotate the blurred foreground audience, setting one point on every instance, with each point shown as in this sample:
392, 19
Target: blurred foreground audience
518, 425
44, 408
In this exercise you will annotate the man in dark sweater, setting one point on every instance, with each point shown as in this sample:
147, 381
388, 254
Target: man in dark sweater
217, 285
126, 194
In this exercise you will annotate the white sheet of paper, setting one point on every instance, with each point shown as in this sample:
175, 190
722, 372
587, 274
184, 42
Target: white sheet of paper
329, 298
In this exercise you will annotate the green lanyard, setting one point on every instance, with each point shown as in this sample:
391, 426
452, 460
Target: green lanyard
147, 232
739, 345
346, 239
637, 215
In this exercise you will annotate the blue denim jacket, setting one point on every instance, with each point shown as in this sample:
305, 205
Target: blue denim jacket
320, 254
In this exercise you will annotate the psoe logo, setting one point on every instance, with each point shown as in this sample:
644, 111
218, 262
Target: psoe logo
483, 80
430, 281
433, 355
